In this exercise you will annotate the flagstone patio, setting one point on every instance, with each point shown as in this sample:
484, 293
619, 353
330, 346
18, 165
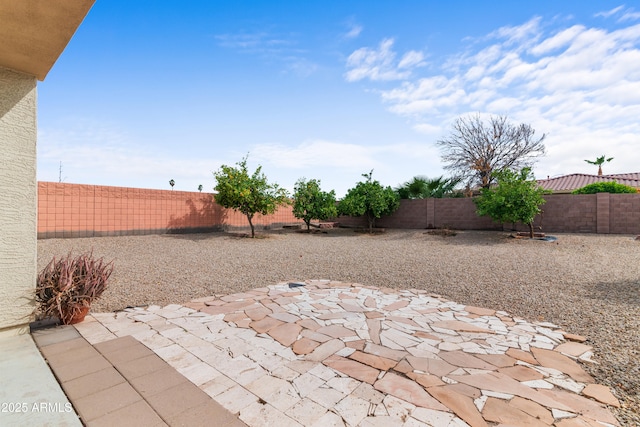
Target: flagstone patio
324, 353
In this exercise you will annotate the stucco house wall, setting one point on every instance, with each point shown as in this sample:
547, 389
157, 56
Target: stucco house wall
18, 200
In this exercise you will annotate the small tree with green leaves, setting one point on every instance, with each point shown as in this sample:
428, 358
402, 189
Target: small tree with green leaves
516, 198
605, 187
421, 187
248, 194
369, 198
310, 202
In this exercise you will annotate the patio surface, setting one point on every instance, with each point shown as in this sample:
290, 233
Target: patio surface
321, 353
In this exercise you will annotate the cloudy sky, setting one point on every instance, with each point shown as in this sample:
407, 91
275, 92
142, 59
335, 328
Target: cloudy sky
149, 91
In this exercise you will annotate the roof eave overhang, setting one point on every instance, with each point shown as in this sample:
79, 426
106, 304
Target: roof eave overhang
35, 32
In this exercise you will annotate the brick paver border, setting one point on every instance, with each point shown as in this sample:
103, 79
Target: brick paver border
122, 382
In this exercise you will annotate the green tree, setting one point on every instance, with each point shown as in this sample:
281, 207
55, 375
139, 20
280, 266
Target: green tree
421, 187
310, 202
369, 198
516, 198
599, 162
605, 187
248, 194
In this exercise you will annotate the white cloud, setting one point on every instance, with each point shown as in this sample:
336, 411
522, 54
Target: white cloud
301, 67
354, 31
580, 85
559, 40
427, 96
411, 59
332, 154
626, 14
271, 47
253, 42
519, 35
101, 153
306, 155
611, 12
340, 165
95, 153
630, 16
428, 129
380, 63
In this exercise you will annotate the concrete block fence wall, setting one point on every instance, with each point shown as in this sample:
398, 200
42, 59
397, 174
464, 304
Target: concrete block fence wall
624, 213
459, 214
563, 213
75, 210
601, 213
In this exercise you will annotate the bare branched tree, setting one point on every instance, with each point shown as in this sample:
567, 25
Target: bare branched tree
475, 150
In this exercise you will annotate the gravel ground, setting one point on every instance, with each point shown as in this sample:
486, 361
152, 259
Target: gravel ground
588, 284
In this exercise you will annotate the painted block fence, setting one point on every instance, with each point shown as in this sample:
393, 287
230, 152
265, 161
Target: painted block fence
563, 213
76, 210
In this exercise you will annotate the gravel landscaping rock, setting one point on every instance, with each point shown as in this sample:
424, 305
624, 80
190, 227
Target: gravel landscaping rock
587, 284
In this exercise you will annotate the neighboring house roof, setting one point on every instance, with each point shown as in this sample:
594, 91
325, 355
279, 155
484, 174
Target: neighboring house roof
568, 183
35, 32
631, 176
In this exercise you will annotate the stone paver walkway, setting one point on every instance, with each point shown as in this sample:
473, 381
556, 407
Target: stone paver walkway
323, 353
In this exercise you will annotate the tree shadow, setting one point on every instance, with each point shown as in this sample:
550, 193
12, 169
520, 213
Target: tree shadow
451, 236
621, 292
204, 216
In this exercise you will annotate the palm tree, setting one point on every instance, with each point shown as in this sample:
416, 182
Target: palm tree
421, 187
598, 162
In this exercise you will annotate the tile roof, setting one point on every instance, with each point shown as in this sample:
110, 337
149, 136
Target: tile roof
574, 181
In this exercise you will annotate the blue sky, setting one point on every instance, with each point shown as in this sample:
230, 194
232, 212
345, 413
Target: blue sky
148, 91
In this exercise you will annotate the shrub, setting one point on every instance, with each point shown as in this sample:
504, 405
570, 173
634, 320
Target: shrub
68, 285
605, 187
516, 198
310, 202
369, 198
247, 194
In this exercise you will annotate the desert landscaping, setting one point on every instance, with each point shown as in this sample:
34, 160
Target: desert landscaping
586, 284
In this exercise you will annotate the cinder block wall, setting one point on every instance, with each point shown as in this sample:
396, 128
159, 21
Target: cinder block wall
601, 213
410, 214
563, 213
569, 213
437, 213
461, 214
76, 210
624, 213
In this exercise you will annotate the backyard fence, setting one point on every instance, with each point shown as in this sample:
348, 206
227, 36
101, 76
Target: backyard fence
562, 213
75, 210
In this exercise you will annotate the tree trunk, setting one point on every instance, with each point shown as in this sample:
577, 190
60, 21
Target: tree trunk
253, 233
531, 234
308, 224
371, 221
599, 170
